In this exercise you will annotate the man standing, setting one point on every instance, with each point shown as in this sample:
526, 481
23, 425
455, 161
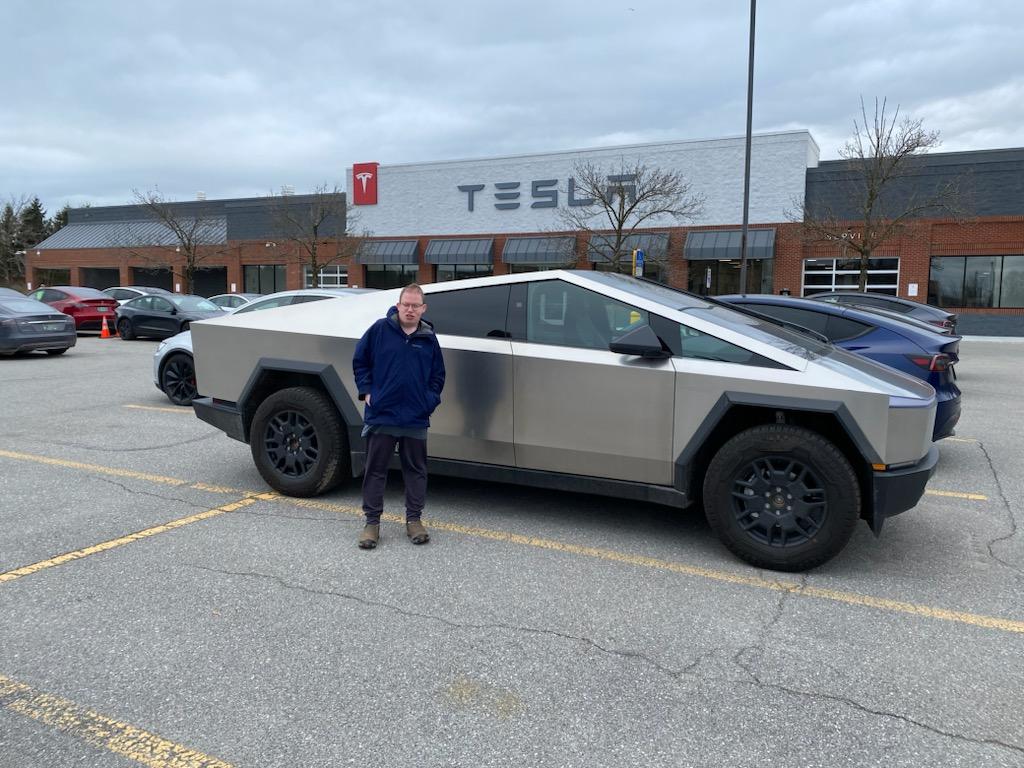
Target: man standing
400, 374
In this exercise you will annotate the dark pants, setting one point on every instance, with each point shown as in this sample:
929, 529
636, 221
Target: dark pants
413, 455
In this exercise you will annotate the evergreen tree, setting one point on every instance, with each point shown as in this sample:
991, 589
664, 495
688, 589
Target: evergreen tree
58, 221
12, 263
32, 223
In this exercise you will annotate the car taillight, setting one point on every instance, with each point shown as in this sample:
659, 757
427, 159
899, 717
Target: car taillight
931, 362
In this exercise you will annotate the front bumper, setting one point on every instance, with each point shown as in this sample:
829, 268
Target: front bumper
897, 490
223, 415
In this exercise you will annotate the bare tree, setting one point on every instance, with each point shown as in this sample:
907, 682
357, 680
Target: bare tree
195, 232
320, 225
874, 206
610, 203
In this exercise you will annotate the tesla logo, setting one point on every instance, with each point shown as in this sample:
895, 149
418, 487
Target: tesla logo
364, 184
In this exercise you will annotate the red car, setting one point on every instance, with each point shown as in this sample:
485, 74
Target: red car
86, 305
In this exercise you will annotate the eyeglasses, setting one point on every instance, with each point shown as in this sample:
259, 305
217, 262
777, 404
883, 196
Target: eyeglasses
407, 305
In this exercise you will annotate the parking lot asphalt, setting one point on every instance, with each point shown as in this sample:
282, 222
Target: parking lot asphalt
159, 606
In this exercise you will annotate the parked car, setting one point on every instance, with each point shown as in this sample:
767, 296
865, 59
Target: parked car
174, 371
904, 344
233, 300
600, 383
27, 325
932, 315
87, 306
162, 316
125, 293
10, 292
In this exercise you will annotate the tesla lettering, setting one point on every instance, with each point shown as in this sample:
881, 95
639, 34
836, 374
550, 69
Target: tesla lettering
545, 192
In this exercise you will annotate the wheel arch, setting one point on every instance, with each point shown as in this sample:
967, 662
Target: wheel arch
737, 411
273, 374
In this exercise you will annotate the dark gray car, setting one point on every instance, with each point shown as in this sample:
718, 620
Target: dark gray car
27, 325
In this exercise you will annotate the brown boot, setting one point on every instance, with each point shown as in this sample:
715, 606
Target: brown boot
416, 532
369, 537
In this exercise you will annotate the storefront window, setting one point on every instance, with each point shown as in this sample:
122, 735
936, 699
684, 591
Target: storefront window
1012, 294
390, 275
976, 281
825, 275
263, 278
720, 278
52, 277
462, 271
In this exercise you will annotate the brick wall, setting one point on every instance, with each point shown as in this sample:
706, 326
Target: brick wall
923, 239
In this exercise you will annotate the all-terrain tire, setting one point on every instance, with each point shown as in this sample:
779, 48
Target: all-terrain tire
782, 497
298, 442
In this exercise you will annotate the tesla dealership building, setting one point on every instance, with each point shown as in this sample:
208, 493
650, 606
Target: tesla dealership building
445, 220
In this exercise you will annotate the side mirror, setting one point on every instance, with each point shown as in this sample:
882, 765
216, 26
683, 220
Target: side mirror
640, 342
174, 310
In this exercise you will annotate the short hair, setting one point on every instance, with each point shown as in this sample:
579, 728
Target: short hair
410, 287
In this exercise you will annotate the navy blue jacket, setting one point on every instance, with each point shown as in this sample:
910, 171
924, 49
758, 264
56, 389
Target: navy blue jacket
403, 374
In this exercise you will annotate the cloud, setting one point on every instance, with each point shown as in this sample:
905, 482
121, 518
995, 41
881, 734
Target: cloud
237, 98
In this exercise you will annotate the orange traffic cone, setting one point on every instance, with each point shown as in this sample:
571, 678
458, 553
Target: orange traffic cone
105, 330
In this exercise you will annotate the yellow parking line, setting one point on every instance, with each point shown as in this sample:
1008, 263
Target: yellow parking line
97, 468
99, 730
850, 598
159, 408
958, 495
78, 554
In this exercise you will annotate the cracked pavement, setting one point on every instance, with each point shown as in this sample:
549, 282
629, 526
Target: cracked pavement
266, 638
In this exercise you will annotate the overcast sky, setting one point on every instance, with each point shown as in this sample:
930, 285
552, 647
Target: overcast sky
239, 98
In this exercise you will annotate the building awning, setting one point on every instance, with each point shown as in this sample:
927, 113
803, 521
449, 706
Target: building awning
722, 244
133, 234
388, 252
539, 250
653, 244
461, 251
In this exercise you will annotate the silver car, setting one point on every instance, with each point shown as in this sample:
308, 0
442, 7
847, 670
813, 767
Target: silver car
596, 382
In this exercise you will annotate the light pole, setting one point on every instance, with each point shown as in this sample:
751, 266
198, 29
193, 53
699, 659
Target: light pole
746, 162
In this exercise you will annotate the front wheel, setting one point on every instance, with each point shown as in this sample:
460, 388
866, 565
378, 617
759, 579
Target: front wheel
178, 380
298, 442
782, 497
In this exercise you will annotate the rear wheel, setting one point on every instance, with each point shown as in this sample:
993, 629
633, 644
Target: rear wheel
124, 329
178, 379
56, 351
782, 497
298, 442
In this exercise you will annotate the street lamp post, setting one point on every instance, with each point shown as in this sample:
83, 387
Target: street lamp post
746, 162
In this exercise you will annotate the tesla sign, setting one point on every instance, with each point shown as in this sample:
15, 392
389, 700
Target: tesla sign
364, 183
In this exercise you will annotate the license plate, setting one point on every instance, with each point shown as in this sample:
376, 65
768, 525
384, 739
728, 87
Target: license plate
103, 309
53, 326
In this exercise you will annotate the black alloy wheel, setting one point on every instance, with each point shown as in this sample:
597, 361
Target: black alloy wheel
298, 442
124, 329
178, 379
782, 497
291, 443
779, 501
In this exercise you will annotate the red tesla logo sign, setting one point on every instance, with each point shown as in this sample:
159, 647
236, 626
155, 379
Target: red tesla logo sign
364, 184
